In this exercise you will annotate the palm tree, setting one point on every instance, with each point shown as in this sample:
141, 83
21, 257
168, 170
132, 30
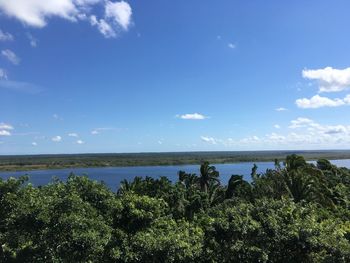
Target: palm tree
207, 176
235, 182
304, 182
294, 162
124, 187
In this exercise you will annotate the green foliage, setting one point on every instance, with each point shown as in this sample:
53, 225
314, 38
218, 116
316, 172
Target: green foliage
297, 212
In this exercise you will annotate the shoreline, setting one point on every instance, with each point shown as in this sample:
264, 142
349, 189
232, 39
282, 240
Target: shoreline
144, 163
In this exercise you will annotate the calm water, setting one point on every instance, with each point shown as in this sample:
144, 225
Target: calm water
113, 175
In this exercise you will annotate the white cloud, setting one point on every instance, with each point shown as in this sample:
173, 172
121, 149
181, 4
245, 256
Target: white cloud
34, 144
317, 102
280, 109
117, 15
56, 138
5, 129
11, 56
3, 74
210, 140
4, 126
192, 116
277, 126
104, 28
35, 12
73, 134
305, 134
94, 132
330, 79
120, 12
4, 36
80, 142
300, 122
5, 133
231, 45
160, 142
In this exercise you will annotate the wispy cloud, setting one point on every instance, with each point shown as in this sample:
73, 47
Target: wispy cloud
280, 109
99, 130
73, 134
10, 56
4, 36
231, 45
20, 86
3, 74
32, 40
34, 144
57, 117
276, 126
192, 116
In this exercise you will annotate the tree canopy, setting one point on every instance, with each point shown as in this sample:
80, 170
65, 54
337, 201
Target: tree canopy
297, 212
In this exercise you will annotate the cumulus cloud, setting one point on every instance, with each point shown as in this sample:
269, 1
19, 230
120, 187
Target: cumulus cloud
317, 102
192, 116
80, 142
35, 12
303, 133
5, 129
117, 15
73, 134
4, 36
119, 12
280, 109
11, 56
276, 126
210, 140
34, 144
3, 74
329, 79
56, 138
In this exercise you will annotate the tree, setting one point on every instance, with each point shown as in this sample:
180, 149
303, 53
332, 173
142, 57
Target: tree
208, 174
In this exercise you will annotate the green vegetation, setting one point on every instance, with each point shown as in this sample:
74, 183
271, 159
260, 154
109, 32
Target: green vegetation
57, 161
297, 212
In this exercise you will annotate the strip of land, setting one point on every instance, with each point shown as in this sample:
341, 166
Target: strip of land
58, 161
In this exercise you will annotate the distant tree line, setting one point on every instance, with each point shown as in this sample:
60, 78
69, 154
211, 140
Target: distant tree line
296, 212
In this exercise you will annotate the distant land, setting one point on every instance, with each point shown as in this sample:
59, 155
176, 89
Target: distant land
57, 161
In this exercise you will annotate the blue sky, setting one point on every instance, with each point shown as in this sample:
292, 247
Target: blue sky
81, 76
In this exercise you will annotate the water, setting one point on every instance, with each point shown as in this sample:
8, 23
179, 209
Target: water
113, 175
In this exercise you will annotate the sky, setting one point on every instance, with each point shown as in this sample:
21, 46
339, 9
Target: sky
96, 76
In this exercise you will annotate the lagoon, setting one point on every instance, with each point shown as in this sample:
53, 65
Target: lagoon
112, 176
